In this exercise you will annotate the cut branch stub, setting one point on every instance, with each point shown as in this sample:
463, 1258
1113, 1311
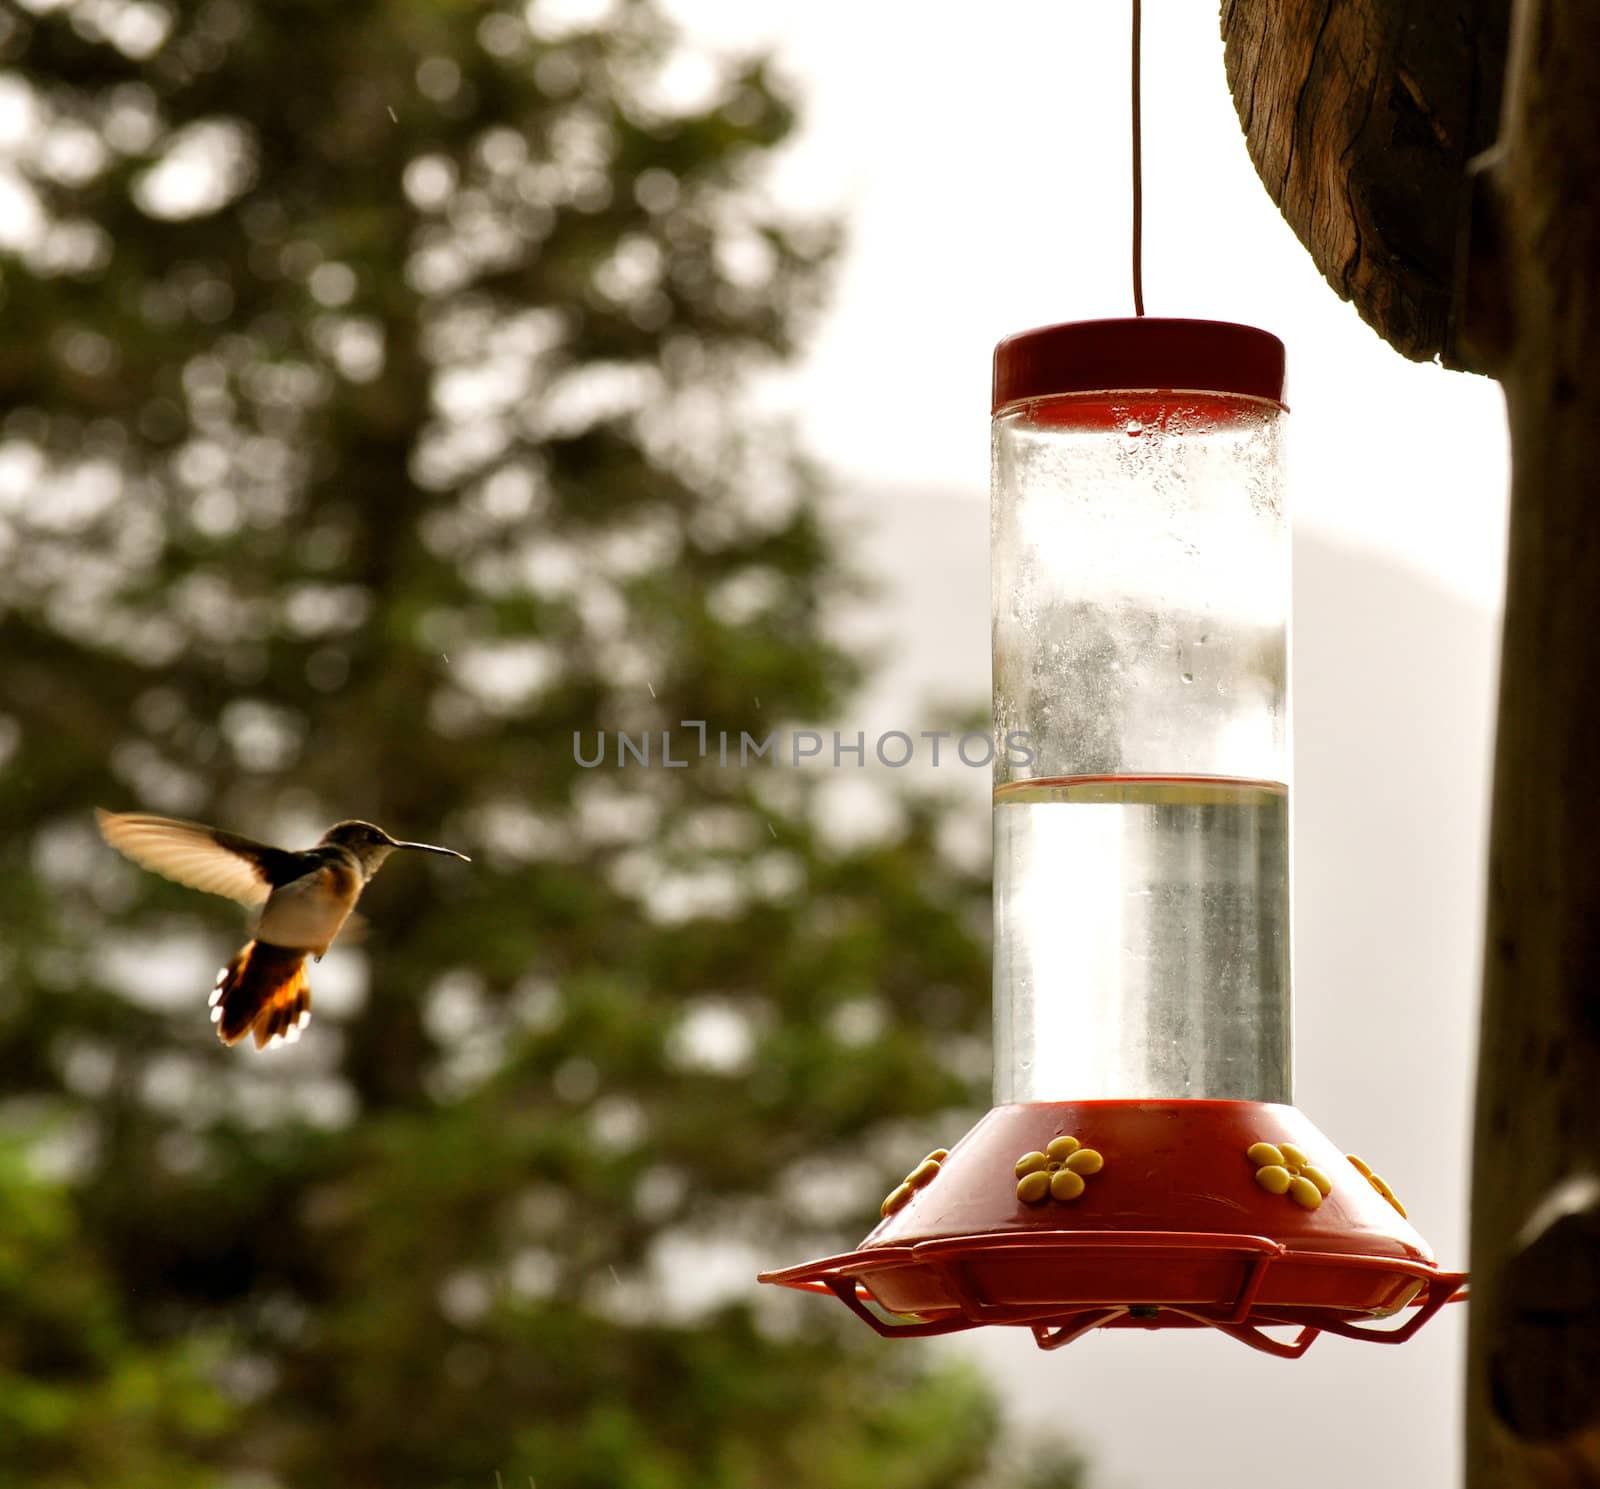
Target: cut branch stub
1361, 117
1546, 1359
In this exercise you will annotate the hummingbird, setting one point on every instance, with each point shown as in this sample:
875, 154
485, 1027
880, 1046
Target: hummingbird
304, 899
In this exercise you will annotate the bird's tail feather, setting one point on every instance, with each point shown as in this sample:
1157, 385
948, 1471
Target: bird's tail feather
263, 988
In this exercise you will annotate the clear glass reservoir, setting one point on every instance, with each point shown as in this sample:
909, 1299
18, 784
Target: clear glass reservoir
1140, 565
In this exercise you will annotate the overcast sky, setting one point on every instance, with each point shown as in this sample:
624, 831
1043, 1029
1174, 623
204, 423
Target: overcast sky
980, 158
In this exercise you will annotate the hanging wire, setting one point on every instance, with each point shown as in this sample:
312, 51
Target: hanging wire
1138, 179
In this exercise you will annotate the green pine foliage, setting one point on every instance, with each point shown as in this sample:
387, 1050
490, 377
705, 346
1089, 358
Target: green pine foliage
372, 422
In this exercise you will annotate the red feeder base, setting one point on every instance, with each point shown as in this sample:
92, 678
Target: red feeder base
1067, 1217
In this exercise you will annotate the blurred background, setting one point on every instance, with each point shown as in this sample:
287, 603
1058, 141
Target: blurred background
389, 392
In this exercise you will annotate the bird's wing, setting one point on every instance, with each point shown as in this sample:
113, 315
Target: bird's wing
201, 857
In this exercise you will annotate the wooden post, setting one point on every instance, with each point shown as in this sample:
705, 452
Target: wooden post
1309, 82
1531, 317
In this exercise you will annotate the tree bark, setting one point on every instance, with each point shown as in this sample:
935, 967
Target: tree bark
1526, 309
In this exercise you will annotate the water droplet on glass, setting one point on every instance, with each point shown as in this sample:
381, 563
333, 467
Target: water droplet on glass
1135, 428
1188, 677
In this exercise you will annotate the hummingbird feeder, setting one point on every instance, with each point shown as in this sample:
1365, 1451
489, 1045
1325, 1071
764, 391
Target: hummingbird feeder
1143, 1165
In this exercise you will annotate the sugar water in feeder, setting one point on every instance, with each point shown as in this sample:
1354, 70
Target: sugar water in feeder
1140, 561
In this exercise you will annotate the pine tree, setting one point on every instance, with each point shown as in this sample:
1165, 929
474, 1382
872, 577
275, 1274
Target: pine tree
372, 377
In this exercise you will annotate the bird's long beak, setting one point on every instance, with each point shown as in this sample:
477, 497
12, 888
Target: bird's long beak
430, 848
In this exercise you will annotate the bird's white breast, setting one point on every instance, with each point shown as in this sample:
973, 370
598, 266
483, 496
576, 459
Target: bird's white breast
306, 914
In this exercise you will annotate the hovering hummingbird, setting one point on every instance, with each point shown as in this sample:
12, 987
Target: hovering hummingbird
304, 899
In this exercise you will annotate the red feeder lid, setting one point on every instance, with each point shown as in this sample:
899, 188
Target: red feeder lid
1145, 354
